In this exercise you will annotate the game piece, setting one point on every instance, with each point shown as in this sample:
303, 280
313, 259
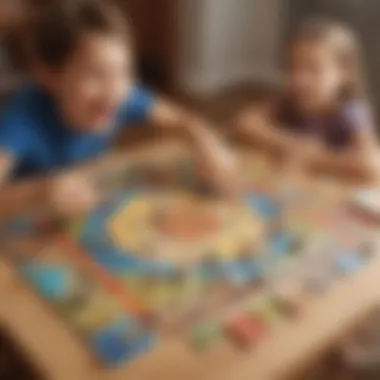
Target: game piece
366, 249
81, 289
318, 283
245, 330
348, 263
240, 273
288, 297
281, 243
265, 207
210, 268
285, 307
206, 334
52, 281
297, 244
266, 310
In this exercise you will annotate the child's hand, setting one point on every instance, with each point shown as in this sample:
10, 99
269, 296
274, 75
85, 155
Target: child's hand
71, 195
299, 157
219, 169
250, 121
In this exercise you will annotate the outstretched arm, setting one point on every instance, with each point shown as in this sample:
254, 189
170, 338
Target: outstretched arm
216, 160
360, 158
256, 124
6, 165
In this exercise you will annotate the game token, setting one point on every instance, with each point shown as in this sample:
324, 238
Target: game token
318, 284
281, 243
288, 297
366, 249
206, 334
80, 291
348, 263
52, 281
266, 310
297, 244
245, 330
265, 207
286, 307
240, 273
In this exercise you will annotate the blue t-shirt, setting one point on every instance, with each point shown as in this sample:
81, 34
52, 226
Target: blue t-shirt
32, 131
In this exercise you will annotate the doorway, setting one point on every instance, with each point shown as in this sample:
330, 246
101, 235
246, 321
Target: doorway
154, 25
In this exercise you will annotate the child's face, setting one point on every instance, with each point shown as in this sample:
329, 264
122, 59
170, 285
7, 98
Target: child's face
314, 76
93, 83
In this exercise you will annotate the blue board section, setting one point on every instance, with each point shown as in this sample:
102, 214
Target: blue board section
114, 343
122, 341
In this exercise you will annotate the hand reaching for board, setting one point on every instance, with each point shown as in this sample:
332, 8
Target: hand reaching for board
219, 170
71, 195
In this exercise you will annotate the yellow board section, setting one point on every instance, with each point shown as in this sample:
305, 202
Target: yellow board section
136, 225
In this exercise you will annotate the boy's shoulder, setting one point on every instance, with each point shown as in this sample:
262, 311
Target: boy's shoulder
28, 95
29, 101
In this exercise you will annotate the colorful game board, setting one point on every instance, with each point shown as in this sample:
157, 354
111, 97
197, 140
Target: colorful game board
162, 256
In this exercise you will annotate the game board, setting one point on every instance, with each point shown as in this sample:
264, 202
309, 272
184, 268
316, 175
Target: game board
162, 257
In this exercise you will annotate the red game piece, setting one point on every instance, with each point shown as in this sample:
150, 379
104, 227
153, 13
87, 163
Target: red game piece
246, 330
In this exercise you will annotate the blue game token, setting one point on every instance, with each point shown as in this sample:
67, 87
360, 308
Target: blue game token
242, 272
281, 243
318, 283
267, 208
155, 268
51, 281
348, 263
210, 271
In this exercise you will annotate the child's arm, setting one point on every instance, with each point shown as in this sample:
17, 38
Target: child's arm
217, 163
361, 158
256, 124
6, 165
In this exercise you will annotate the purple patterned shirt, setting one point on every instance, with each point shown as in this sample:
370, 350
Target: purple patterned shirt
336, 129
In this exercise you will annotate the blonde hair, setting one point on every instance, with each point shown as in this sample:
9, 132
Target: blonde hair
344, 45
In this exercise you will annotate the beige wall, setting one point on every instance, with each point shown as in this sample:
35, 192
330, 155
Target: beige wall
228, 41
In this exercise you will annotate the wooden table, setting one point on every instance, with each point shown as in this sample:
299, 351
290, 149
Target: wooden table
60, 354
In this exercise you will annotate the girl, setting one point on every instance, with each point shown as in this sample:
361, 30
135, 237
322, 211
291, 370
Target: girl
83, 95
323, 119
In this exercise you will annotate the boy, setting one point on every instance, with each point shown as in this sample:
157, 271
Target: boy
84, 94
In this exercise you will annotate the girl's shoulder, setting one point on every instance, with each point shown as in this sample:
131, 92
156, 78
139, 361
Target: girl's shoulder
356, 113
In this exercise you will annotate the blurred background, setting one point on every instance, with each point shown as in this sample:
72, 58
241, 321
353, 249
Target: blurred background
211, 50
